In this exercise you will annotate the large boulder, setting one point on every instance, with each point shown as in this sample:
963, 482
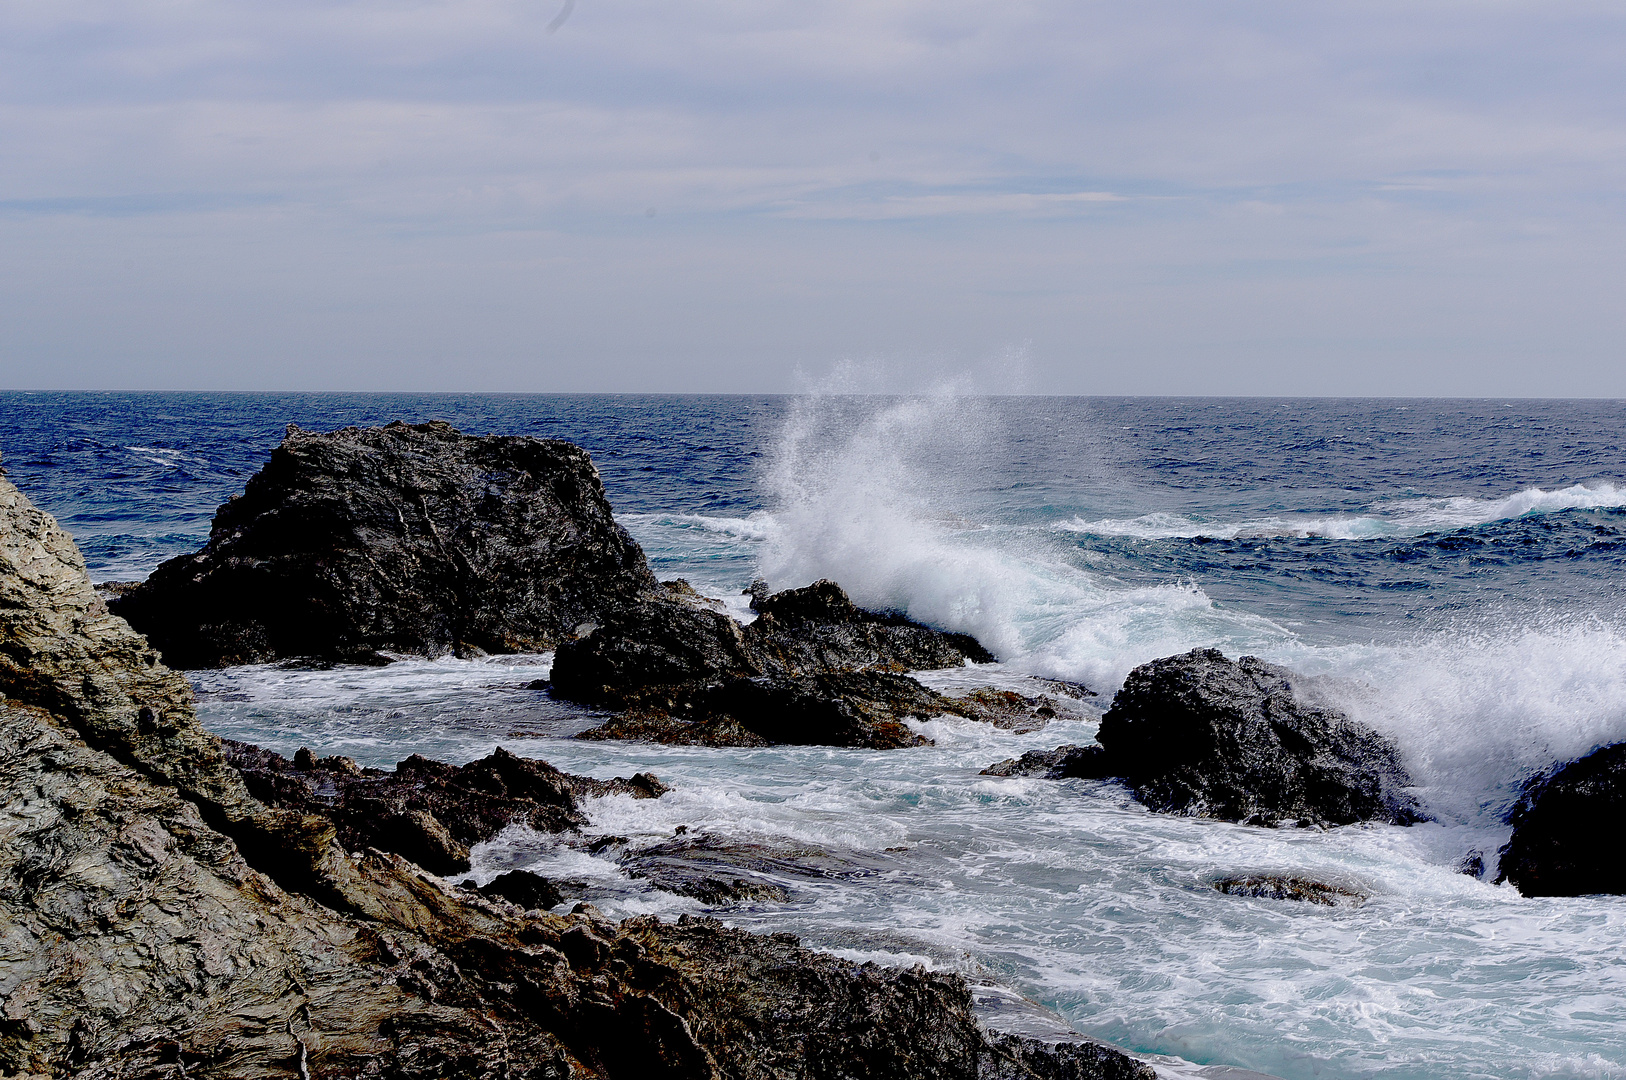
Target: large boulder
159, 921
813, 668
1567, 828
409, 538
1240, 740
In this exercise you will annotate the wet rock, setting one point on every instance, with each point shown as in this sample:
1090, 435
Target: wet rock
672, 642
522, 887
1010, 710
812, 669
1062, 763
1567, 828
1241, 740
1291, 887
1018, 1057
718, 870
1472, 864
406, 538
427, 811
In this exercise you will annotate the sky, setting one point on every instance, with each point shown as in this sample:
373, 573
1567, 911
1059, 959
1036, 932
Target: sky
1386, 198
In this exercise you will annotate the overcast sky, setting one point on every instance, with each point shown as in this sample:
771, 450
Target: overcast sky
1302, 197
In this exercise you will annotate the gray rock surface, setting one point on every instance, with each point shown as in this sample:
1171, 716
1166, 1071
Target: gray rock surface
811, 669
405, 538
1240, 740
157, 921
1567, 827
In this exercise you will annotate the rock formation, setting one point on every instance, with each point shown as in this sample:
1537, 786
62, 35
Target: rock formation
427, 811
1567, 828
159, 921
406, 538
1202, 735
811, 669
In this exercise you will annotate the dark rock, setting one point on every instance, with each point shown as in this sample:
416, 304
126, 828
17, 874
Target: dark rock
1567, 828
1062, 763
1290, 887
1202, 735
427, 811
1472, 864
405, 538
525, 889
1018, 1057
812, 669
1008, 709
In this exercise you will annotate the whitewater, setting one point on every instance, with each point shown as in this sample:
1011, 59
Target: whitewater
1449, 572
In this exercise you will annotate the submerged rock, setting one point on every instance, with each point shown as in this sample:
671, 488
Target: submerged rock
1206, 736
1291, 887
161, 921
1567, 828
405, 538
717, 869
427, 811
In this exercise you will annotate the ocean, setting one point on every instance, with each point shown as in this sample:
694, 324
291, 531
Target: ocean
1453, 570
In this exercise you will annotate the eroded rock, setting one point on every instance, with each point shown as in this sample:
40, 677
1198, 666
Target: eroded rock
1567, 828
1292, 887
1241, 740
427, 811
405, 538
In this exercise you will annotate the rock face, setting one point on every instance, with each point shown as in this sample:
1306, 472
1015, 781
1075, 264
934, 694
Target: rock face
1202, 735
405, 538
156, 920
1567, 828
427, 811
812, 669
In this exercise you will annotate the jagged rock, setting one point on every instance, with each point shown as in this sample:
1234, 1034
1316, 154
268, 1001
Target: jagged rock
812, 668
1240, 740
672, 641
1566, 829
427, 811
1062, 763
525, 889
1018, 1057
136, 941
1291, 887
406, 538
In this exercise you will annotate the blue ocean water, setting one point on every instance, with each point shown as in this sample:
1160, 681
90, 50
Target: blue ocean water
1452, 569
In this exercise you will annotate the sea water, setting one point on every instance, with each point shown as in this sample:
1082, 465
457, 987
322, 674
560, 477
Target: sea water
1451, 570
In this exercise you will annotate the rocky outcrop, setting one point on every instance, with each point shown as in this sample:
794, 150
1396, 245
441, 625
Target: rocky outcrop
1566, 829
675, 642
405, 538
811, 669
427, 811
156, 920
1241, 740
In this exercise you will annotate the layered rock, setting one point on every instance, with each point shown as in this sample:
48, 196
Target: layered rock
137, 940
430, 812
1566, 829
811, 669
1241, 740
407, 539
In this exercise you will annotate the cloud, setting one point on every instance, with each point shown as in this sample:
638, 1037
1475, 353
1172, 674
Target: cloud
1137, 190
